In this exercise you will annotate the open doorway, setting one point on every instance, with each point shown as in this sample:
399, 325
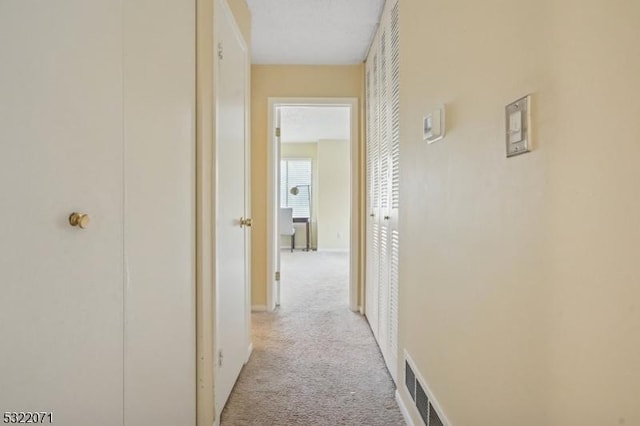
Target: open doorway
313, 197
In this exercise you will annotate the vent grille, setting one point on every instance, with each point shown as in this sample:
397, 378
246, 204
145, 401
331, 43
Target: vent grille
434, 419
422, 403
413, 382
410, 380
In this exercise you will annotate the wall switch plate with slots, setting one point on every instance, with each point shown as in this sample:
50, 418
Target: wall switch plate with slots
518, 125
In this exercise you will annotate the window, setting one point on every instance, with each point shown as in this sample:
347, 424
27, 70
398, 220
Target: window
296, 173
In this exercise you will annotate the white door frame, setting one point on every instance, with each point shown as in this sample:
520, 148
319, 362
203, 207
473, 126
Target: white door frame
206, 183
272, 183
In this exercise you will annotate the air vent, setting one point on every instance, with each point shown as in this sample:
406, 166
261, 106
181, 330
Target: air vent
422, 402
410, 380
426, 404
434, 419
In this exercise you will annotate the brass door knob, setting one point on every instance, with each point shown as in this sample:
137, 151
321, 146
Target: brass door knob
80, 220
245, 221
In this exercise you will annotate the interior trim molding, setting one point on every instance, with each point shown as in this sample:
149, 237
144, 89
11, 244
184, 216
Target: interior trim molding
258, 308
403, 409
273, 153
249, 352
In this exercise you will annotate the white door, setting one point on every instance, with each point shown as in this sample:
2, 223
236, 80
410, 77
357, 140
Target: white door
383, 162
384, 132
394, 186
276, 288
232, 342
61, 150
159, 74
373, 197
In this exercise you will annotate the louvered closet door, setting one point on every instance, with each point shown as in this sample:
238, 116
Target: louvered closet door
383, 155
384, 133
373, 195
394, 185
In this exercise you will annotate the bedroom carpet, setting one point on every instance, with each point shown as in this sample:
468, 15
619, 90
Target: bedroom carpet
314, 361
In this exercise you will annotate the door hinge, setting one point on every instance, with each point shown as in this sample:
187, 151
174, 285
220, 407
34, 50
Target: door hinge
277, 132
277, 276
220, 358
220, 51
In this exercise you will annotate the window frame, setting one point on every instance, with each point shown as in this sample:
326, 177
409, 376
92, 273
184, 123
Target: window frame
284, 180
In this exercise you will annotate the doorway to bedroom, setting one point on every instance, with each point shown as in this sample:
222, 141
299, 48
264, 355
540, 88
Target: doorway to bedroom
313, 194
314, 189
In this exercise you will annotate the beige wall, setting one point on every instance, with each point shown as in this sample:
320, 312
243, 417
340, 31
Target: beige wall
330, 193
334, 194
519, 277
284, 81
304, 150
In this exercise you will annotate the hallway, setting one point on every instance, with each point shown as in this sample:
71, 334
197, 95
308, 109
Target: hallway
314, 361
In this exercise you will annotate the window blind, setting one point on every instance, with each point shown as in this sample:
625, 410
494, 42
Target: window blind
296, 173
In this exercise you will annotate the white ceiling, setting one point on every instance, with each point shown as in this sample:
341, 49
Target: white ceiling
312, 32
311, 124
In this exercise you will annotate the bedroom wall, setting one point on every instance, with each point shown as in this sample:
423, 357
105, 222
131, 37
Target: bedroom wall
304, 150
333, 195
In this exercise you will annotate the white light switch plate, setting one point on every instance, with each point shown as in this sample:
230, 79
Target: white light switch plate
518, 124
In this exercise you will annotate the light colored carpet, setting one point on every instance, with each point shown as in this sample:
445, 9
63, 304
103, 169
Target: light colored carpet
314, 361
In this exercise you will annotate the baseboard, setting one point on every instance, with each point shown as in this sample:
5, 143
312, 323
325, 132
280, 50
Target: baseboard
258, 308
404, 410
249, 352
